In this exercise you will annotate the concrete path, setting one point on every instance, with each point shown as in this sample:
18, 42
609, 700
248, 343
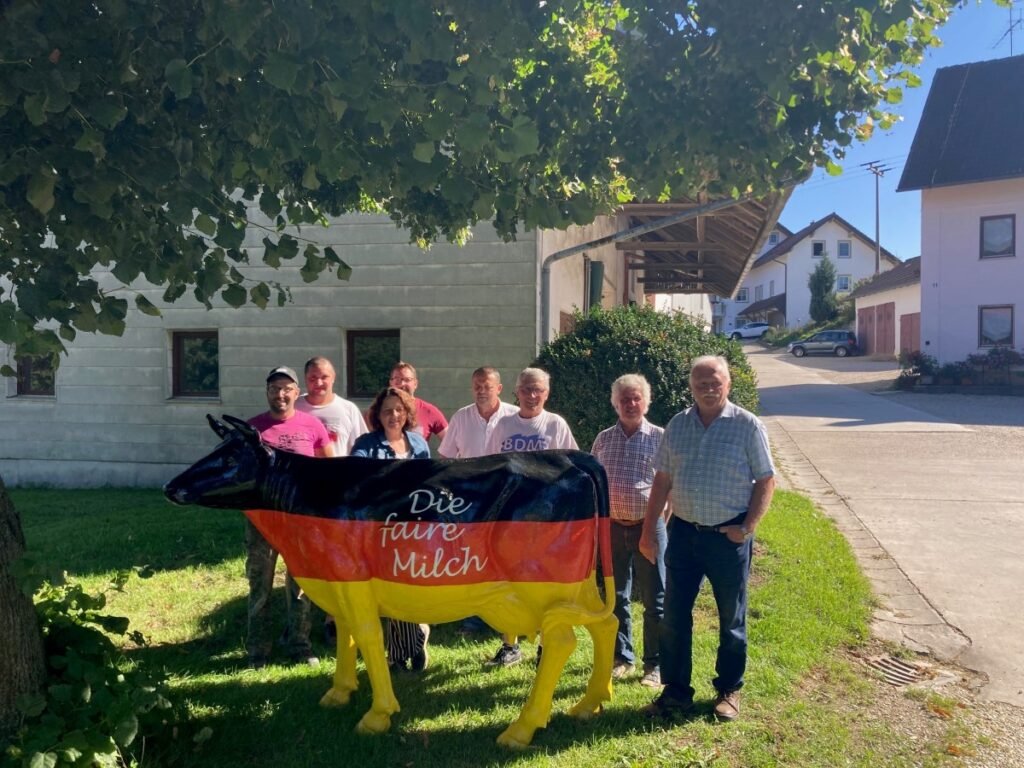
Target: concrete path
933, 507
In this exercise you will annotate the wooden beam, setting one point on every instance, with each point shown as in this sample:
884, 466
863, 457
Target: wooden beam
667, 245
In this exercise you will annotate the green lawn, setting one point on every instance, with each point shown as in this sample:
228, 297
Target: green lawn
809, 602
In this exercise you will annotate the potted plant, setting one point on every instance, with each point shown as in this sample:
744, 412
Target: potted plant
918, 366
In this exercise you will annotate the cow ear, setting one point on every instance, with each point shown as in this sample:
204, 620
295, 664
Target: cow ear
243, 427
219, 427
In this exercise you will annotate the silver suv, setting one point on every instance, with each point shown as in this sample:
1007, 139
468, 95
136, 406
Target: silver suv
838, 343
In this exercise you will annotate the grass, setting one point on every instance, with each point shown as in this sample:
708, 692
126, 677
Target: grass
802, 706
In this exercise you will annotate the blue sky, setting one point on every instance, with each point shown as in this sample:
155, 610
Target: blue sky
973, 33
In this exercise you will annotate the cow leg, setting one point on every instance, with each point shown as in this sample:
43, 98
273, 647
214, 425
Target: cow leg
370, 639
599, 689
559, 642
344, 671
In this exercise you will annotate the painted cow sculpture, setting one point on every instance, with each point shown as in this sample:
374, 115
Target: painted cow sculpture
512, 538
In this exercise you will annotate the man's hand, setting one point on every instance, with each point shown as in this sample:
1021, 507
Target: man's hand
734, 533
649, 543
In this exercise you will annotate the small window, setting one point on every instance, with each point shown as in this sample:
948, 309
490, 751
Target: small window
998, 236
995, 326
195, 364
36, 375
758, 293
844, 249
369, 356
771, 288
742, 296
773, 238
842, 283
817, 248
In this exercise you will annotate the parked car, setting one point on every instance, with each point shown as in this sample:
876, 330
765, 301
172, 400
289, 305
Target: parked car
750, 331
838, 343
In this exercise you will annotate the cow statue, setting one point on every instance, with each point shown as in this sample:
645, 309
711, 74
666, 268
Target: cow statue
512, 538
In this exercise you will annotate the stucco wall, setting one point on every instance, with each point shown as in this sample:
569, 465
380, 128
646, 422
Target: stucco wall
113, 420
955, 282
907, 299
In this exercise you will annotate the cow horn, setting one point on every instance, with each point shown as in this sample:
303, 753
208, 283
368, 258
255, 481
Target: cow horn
243, 427
219, 427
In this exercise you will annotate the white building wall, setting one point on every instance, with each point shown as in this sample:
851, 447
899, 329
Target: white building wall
697, 306
907, 299
955, 282
568, 275
113, 420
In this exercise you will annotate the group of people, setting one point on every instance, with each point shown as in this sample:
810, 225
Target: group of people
685, 502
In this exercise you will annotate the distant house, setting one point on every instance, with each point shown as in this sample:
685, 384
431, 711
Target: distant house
775, 290
888, 311
129, 410
968, 161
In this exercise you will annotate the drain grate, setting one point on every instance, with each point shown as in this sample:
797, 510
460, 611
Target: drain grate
896, 671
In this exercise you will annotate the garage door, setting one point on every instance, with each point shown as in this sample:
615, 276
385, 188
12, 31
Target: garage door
910, 332
866, 330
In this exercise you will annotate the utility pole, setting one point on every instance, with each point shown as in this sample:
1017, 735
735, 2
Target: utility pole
879, 170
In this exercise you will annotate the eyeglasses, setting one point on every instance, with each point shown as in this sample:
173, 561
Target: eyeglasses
282, 390
402, 379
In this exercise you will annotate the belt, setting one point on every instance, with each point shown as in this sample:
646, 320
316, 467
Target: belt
713, 528
627, 523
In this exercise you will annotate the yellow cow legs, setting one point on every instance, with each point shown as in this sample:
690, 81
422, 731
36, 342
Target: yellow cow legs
599, 689
344, 671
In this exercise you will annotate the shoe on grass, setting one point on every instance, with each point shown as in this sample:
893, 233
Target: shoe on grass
507, 656
667, 707
727, 706
622, 669
651, 678
421, 660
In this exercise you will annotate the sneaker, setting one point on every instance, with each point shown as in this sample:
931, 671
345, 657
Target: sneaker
727, 706
507, 656
307, 659
621, 669
666, 707
652, 677
421, 660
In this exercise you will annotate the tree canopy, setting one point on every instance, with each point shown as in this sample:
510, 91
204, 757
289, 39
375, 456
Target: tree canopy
135, 131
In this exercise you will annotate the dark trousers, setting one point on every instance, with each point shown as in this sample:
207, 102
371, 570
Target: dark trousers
260, 562
691, 556
628, 563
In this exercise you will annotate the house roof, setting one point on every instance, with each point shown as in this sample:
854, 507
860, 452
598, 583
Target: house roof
775, 303
907, 273
707, 254
971, 127
785, 246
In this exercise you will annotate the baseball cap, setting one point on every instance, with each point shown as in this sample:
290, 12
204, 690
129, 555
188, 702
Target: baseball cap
283, 370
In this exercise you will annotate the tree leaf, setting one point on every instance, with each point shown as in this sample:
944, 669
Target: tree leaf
205, 224
234, 295
281, 71
260, 295
424, 151
126, 729
179, 78
40, 190
145, 306
35, 109
43, 760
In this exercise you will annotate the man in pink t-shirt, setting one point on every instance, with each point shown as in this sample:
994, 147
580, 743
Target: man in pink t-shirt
285, 429
429, 419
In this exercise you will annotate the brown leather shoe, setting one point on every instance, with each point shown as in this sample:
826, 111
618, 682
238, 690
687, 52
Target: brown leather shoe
727, 706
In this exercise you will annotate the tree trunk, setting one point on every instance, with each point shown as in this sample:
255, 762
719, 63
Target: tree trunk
22, 667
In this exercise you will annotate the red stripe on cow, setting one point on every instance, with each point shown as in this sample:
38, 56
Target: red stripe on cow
426, 553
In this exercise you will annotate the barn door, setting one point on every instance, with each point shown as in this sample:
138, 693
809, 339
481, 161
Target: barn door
866, 330
885, 329
910, 332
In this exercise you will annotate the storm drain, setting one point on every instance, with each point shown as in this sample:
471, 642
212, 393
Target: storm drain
896, 671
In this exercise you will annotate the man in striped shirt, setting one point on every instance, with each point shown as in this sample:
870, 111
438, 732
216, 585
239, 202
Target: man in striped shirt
715, 462
627, 450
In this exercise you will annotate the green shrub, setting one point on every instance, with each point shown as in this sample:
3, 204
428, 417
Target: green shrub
95, 709
610, 342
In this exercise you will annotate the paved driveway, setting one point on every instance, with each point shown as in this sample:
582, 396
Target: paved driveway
928, 488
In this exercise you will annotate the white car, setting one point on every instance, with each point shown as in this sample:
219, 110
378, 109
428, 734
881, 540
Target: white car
750, 331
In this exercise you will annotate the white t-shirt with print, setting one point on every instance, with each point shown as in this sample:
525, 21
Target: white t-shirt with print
514, 433
342, 418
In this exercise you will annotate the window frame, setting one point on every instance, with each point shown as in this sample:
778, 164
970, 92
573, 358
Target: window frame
773, 238
981, 312
743, 295
814, 245
849, 283
759, 292
23, 378
178, 339
1013, 236
351, 339
849, 249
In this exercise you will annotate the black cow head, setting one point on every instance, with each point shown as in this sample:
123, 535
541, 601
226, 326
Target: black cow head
227, 477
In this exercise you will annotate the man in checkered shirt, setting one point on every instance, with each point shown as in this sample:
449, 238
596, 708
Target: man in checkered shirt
715, 462
627, 450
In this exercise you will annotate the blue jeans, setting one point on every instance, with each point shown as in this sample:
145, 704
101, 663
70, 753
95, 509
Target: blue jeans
692, 555
627, 563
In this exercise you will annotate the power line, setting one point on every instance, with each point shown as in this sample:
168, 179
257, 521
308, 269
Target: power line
879, 170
